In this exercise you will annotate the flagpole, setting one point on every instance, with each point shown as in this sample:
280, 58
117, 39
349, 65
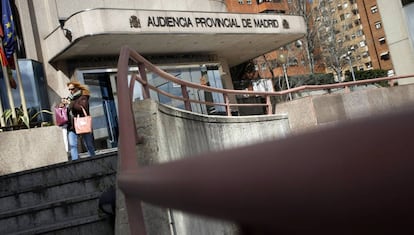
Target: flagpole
20, 84
2, 123
9, 94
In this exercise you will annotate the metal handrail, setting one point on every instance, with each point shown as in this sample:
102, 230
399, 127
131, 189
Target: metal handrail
146, 65
330, 186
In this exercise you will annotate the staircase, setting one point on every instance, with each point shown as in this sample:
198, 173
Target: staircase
58, 199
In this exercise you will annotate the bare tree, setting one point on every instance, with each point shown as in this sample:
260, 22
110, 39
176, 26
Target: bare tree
332, 35
310, 42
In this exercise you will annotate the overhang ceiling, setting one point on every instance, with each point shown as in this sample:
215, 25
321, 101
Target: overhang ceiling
235, 48
96, 33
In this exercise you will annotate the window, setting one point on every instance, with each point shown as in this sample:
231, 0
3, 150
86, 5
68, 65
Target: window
342, 16
345, 5
381, 40
347, 15
241, 1
368, 65
385, 56
362, 43
357, 22
292, 61
378, 25
264, 66
249, 2
374, 9
359, 33
339, 7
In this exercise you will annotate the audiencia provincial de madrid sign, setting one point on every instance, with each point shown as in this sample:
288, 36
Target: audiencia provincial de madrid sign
208, 22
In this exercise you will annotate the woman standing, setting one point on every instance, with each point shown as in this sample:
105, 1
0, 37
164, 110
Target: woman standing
78, 98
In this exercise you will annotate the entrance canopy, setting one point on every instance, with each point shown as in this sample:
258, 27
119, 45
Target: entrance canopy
236, 37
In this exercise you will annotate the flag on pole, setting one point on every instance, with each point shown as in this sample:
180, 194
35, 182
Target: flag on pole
9, 38
2, 54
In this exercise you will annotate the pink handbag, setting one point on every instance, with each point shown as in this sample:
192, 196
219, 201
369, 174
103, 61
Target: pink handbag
83, 125
61, 116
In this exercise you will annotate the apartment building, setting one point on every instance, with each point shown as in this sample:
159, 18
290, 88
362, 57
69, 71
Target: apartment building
257, 6
358, 36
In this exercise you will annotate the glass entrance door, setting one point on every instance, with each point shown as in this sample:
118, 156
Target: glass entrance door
102, 108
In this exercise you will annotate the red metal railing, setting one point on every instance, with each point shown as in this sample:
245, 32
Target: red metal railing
145, 66
353, 178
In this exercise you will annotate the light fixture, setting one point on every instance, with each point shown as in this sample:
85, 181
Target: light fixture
66, 32
283, 60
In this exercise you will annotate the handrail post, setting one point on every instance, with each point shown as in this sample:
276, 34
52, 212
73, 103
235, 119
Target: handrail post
269, 105
145, 88
184, 91
227, 101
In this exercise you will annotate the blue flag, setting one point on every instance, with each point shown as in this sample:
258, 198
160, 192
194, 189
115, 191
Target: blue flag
9, 39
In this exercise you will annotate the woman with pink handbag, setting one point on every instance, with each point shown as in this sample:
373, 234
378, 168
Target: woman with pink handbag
78, 110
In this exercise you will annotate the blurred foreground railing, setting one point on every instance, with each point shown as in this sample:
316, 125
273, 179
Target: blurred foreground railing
354, 178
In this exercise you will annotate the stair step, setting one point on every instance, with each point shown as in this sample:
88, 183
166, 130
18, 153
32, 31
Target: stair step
51, 193
99, 224
57, 174
62, 211
48, 205
58, 199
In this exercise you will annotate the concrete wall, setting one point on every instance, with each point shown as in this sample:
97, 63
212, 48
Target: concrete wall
171, 134
309, 112
31, 148
397, 31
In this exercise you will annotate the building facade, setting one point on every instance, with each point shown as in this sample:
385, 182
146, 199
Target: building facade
353, 27
81, 40
372, 25
398, 18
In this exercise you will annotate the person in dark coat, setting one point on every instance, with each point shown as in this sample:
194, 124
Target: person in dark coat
78, 98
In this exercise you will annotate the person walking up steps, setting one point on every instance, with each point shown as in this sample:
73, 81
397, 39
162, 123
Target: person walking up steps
78, 98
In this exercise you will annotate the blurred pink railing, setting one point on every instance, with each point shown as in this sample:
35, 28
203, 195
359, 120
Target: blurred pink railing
354, 178
145, 66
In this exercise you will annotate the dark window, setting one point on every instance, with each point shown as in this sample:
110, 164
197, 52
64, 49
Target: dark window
385, 56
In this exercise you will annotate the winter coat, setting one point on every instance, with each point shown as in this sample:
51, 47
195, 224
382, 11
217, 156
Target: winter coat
75, 108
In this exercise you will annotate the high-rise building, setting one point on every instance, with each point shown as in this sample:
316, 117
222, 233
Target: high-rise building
348, 36
373, 29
